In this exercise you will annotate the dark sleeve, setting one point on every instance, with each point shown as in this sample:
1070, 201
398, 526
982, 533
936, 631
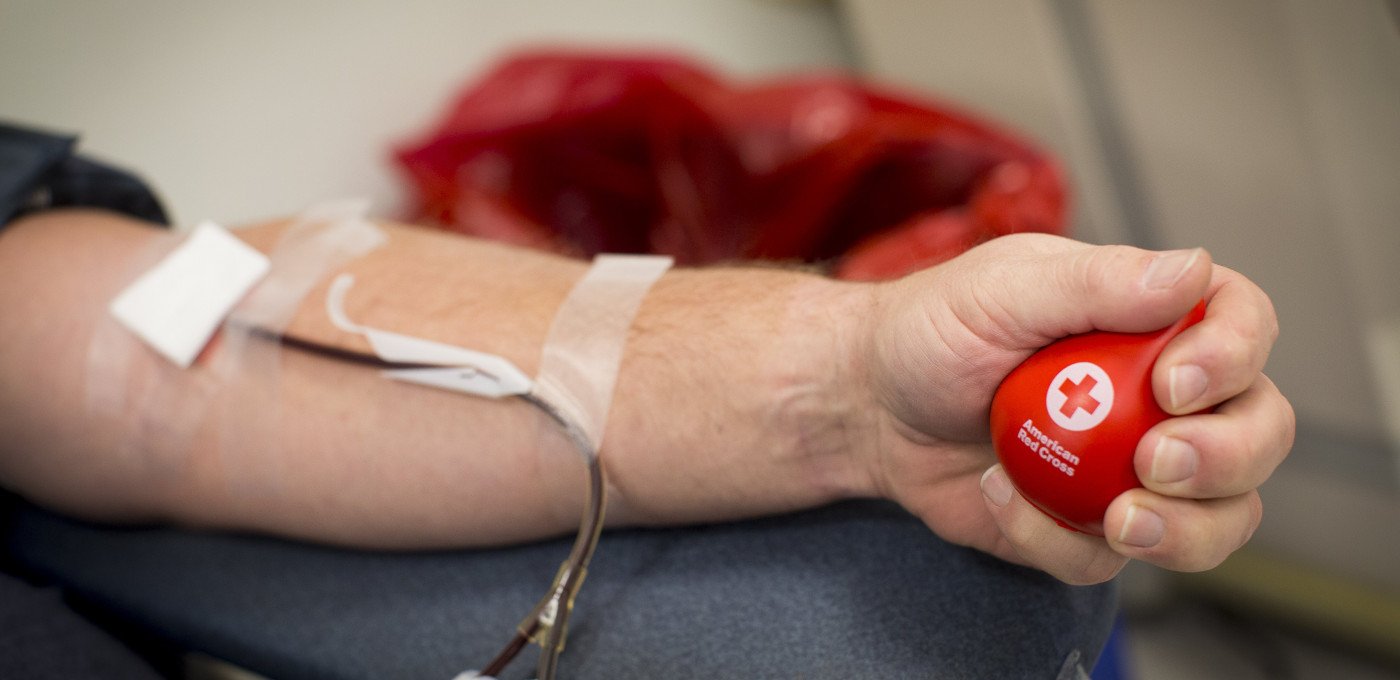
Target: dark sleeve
39, 170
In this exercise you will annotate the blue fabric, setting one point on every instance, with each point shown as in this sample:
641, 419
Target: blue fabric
1113, 662
856, 590
41, 638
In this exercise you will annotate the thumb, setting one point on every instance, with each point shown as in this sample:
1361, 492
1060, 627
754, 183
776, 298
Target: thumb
1045, 287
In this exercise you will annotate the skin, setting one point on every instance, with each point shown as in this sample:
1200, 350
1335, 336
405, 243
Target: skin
744, 391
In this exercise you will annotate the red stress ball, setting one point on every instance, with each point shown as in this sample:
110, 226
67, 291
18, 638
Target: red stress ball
1066, 422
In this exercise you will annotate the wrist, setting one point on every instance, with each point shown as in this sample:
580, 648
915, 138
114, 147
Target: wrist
825, 399
741, 394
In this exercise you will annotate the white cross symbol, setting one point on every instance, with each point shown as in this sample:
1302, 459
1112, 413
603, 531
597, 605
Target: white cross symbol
1080, 396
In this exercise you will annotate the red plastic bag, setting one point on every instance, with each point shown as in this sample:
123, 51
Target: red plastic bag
584, 154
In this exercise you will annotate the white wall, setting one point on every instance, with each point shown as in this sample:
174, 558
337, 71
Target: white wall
239, 110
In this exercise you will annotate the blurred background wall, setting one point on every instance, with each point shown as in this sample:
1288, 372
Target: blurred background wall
1265, 130
250, 109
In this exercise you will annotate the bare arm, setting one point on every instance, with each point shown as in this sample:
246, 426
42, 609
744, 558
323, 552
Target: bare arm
732, 399
743, 391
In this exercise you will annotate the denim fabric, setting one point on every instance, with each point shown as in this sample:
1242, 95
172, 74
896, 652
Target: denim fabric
855, 590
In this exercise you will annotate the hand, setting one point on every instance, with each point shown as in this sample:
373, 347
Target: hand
953, 332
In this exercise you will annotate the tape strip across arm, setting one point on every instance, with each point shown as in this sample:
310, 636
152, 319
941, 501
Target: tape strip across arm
582, 353
578, 370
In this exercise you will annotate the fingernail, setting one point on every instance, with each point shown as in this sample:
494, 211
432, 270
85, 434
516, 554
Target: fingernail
1168, 268
996, 486
1173, 461
1142, 528
1186, 384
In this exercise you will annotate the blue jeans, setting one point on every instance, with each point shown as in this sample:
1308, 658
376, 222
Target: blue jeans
855, 590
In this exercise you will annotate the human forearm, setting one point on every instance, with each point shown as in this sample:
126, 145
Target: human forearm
735, 398
739, 392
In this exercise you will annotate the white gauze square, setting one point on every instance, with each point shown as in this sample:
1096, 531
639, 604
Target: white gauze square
176, 306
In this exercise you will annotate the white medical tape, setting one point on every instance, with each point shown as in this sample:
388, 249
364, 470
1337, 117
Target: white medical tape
583, 350
323, 237
437, 364
320, 239
579, 362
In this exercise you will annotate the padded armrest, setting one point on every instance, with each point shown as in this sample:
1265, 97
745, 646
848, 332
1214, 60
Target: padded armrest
859, 589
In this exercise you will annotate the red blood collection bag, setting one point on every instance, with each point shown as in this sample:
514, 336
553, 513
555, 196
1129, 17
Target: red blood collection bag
582, 154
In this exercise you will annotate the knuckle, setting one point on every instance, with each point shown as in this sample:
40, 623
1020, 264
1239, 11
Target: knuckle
1226, 528
1021, 244
1290, 422
1244, 442
1256, 518
1231, 359
1267, 314
1202, 562
1271, 320
1243, 346
1201, 554
1265, 321
1099, 271
1034, 241
1224, 464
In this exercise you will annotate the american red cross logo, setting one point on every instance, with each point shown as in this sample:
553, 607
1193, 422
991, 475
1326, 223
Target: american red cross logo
1080, 396
1077, 396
